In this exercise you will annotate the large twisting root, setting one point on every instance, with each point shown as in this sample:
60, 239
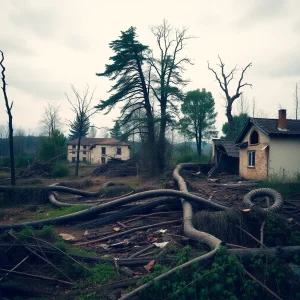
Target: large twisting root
93, 211
206, 238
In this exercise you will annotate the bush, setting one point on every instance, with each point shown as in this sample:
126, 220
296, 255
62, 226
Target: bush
60, 171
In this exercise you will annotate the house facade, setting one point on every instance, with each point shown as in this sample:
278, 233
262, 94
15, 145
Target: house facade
98, 150
268, 147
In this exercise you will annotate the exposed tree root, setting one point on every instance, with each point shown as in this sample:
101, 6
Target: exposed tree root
93, 211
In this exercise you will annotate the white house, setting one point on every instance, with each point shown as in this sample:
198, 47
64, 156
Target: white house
98, 150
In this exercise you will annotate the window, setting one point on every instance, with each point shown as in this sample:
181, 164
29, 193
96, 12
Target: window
251, 159
254, 137
84, 159
103, 160
119, 151
84, 147
74, 146
84, 152
103, 150
73, 152
73, 159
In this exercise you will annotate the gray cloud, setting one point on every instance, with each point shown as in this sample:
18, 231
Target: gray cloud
38, 83
15, 46
40, 21
263, 10
285, 65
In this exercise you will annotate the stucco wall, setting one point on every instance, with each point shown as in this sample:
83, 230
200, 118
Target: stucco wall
284, 156
260, 171
73, 153
94, 155
111, 151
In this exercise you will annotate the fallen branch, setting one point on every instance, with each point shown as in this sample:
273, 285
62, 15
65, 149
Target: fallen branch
262, 285
116, 235
37, 276
249, 234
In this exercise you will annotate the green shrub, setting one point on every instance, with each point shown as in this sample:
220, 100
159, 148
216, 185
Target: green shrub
60, 170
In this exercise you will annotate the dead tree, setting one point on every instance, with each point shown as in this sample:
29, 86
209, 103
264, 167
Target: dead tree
224, 81
83, 111
50, 121
167, 81
10, 124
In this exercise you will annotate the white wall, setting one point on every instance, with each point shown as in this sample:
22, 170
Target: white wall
284, 156
94, 155
111, 151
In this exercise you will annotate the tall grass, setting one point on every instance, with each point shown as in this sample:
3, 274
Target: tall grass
285, 183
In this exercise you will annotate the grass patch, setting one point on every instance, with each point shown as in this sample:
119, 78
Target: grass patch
61, 212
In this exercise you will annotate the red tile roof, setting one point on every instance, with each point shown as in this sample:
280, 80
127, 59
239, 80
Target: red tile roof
98, 141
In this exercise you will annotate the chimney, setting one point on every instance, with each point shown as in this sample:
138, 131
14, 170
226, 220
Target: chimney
282, 119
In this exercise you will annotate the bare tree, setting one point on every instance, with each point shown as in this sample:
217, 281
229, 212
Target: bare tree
167, 80
50, 120
224, 81
296, 101
83, 111
10, 123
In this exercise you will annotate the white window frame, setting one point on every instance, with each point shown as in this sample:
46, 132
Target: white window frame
251, 159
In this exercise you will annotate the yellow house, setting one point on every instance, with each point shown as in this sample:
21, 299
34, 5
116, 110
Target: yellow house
98, 150
269, 146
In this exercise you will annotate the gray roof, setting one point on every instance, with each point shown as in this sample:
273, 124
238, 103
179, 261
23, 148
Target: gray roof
228, 145
270, 127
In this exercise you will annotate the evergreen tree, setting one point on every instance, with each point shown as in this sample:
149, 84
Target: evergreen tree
199, 118
79, 127
132, 86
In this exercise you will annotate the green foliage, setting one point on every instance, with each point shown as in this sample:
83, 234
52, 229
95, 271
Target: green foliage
222, 280
61, 212
54, 146
117, 133
60, 170
80, 126
47, 231
239, 122
283, 182
199, 118
129, 55
26, 233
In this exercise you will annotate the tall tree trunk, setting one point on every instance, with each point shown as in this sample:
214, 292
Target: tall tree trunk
10, 125
150, 119
161, 139
230, 121
77, 156
11, 150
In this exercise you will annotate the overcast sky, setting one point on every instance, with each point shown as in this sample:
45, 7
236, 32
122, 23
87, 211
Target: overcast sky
50, 44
